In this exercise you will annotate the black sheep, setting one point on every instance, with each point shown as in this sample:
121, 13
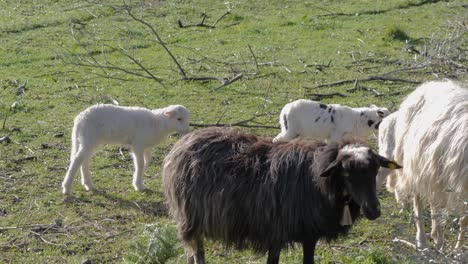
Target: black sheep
244, 190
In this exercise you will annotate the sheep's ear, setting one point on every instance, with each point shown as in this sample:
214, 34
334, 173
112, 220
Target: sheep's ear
169, 113
331, 169
386, 163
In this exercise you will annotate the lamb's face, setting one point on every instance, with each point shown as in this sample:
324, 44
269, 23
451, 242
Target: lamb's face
179, 118
372, 116
386, 142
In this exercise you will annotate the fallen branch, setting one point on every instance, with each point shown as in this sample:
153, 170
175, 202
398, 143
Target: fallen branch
317, 66
234, 124
368, 79
242, 123
318, 96
202, 22
46, 226
253, 55
229, 81
404, 242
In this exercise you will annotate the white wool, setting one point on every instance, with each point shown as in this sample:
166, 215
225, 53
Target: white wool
305, 118
359, 153
134, 127
429, 137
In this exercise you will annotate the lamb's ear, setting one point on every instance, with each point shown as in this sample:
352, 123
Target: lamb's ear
381, 113
331, 169
169, 113
386, 163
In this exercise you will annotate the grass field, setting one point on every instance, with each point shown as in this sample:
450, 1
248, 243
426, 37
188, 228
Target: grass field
59, 57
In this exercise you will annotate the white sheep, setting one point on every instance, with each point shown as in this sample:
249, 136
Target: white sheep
133, 127
428, 135
305, 118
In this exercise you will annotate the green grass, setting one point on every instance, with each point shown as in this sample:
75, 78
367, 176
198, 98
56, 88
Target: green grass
42, 89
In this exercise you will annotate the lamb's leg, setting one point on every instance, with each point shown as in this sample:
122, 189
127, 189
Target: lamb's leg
285, 136
148, 157
463, 222
437, 231
82, 154
420, 234
308, 248
86, 175
139, 162
195, 251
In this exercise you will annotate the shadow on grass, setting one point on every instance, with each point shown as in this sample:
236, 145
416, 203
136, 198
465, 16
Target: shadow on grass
156, 208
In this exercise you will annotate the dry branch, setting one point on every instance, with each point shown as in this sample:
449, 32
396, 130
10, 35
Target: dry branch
234, 124
253, 55
155, 33
368, 79
319, 96
202, 22
242, 123
404, 242
229, 81
381, 77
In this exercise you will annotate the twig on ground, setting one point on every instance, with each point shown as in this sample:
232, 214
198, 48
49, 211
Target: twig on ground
229, 81
242, 123
47, 226
319, 96
253, 55
221, 116
404, 242
24, 146
368, 79
202, 22
238, 125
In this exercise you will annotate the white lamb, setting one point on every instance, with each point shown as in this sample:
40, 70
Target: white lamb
428, 135
133, 127
305, 118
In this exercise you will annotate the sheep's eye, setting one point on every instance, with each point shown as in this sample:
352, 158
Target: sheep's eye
179, 119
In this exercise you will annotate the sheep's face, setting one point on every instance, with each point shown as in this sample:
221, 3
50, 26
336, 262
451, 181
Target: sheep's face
357, 166
372, 116
179, 118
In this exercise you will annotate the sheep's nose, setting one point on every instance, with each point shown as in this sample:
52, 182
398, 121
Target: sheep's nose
371, 212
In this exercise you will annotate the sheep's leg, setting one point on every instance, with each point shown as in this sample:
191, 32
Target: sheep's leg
82, 154
273, 255
195, 251
462, 232
139, 162
308, 248
420, 235
437, 231
148, 157
86, 175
